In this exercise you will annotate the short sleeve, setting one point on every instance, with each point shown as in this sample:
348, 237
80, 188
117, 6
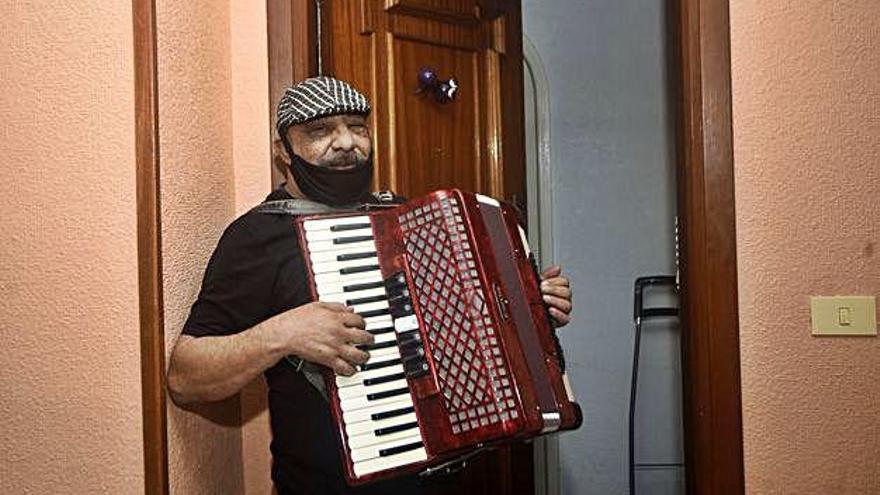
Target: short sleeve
241, 285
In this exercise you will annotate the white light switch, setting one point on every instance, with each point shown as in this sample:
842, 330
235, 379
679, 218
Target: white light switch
851, 315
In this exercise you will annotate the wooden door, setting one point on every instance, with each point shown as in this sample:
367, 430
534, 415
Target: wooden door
475, 141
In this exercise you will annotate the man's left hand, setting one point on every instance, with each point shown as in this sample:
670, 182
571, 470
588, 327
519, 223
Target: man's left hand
556, 291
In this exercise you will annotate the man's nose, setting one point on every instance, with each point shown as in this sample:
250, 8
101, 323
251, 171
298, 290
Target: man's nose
343, 139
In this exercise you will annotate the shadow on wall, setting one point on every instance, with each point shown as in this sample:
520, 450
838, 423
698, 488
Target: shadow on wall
238, 410
224, 413
254, 401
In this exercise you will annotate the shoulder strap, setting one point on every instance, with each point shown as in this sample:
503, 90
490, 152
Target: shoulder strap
296, 207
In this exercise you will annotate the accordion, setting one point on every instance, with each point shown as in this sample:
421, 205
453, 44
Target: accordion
464, 356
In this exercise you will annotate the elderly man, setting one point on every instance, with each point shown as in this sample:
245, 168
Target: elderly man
254, 312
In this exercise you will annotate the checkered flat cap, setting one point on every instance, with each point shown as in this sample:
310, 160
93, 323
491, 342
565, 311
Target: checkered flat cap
318, 97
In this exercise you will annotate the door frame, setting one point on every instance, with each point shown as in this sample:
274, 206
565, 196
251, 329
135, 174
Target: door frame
706, 209
704, 130
149, 245
541, 213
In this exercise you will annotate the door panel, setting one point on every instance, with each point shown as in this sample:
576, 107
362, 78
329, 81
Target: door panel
433, 153
453, 8
473, 142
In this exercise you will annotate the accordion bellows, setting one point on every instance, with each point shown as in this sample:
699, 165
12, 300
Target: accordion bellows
465, 355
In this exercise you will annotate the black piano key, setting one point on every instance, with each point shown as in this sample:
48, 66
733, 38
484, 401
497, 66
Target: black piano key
391, 414
350, 226
415, 367
364, 300
399, 449
380, 331
414, 359
356, 256
375, 312
396, 281
381, 364
388, 393
380, 345
357, 269
354, 238
364, 286
404, 294
401, 308
394, 429
383, 379
413, 337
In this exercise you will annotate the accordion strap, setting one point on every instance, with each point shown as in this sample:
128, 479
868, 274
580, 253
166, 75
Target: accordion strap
298, 207
311, 372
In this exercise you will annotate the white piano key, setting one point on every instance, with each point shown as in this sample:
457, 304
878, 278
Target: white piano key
329, 235
384, 357
360, 390
390, 462
352, 429
336, 266
406, 323
350, 416
325, 246
361, 308
334, 290
384, 353
324, 256
372, 451
361, 402
326, 223
328, 280
381, 321
342, 297
358, 378
370, 439
384, 337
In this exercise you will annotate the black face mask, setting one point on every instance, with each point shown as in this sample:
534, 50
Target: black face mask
332, 186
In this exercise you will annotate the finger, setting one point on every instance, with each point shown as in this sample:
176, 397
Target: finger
551, 271
557, 290
563, 281
353, 320
342, 367
559, 317
321, 354
354, 356
358, 336
563, 305
333, 306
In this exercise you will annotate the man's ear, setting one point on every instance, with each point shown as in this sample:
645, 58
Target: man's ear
280, 158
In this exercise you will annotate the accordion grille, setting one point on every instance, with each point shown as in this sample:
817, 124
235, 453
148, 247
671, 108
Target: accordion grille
471, 371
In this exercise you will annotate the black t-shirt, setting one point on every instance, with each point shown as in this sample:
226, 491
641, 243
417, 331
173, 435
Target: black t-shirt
256, 272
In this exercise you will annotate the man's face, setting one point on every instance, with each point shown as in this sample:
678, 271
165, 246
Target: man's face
338, 141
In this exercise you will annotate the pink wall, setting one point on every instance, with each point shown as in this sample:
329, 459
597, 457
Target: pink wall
806, 105
198, 197
251, 158
70, 365
214, 142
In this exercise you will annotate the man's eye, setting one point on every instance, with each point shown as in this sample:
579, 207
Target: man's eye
359, 128
318, 132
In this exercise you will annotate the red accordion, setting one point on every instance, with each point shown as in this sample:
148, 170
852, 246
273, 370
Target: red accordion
464, 354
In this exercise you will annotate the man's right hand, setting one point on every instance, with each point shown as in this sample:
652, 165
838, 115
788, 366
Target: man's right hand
326, 334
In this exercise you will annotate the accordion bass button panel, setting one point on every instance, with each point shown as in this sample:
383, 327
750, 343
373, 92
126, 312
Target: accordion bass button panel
378, 413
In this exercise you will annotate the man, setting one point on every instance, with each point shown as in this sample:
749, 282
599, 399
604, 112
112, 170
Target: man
254, 310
